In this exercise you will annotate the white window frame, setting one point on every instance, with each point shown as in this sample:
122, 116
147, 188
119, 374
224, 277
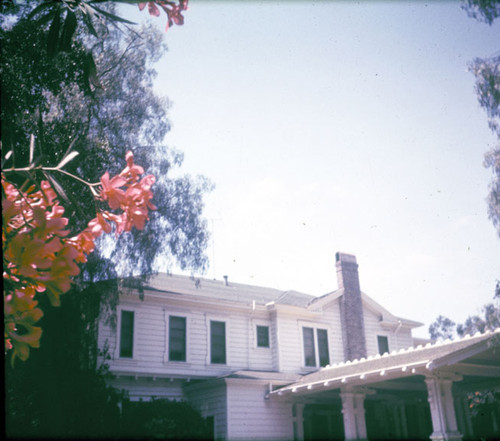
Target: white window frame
254, 325
315, 327
209, 340
388, 343
166, 357
119, 310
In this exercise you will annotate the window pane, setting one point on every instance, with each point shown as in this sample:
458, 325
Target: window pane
309, 353
383, 344
263, 336
218, 342
324, 357
127, 334
177, 338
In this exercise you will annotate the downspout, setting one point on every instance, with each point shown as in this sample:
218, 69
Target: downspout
396, 333
250, 335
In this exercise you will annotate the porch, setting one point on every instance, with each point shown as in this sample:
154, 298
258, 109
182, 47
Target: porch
419, 394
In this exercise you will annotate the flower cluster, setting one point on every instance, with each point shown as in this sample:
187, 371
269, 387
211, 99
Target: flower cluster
39, 256
171, 8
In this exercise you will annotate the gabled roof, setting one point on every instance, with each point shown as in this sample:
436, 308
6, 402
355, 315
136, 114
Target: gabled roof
247, 294
421, 360
385, 316
212, 289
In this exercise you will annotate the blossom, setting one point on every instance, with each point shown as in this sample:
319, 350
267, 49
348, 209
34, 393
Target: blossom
131, 170
111, 190
39, 257
173, 10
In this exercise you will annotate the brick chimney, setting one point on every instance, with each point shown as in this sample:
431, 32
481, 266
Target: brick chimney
351, 307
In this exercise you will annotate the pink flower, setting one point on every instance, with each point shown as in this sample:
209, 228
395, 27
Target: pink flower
131, 170
111, 190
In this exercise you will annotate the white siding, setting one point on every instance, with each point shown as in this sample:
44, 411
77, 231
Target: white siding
398, 337
261, 358
251, 417
291, 340
145, 389
211, 401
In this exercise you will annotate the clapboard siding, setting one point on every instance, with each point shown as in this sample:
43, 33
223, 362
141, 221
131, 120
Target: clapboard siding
146, 389
252, 417
290, 346
211, 401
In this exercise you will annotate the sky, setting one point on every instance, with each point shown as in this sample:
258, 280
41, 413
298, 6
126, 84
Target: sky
339, 126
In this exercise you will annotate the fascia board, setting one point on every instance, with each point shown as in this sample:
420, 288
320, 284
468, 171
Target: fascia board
326, 300
463, 354
199, 302
295, 310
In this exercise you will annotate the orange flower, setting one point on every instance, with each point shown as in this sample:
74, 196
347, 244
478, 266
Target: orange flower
111, 190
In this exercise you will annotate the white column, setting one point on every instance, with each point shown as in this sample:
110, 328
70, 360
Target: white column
353, 412
298, 421
444, 422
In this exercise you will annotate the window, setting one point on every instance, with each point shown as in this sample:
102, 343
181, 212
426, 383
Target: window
262, 336
383, 344
127, 334
309, 352
217, 342
312, 340
323, 352
177, 338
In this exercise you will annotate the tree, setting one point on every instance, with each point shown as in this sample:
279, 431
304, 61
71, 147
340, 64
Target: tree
100, 111
119, 112
482, 10
442, 328
487, 73
445, 328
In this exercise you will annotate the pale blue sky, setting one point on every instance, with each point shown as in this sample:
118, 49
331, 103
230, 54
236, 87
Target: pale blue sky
339, 126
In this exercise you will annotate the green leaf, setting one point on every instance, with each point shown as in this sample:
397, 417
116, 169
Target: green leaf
88, 15
113, 16
56, 186
41, 7
54, 31
46, 18
68, 31
91, 71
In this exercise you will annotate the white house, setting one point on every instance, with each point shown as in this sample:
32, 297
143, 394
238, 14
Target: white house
265, 364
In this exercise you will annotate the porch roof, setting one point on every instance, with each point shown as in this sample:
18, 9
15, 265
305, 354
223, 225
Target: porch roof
477, 355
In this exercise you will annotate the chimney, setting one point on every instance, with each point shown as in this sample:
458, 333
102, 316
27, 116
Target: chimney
351, 307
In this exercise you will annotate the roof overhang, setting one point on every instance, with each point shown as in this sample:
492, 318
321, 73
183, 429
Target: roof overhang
477, 355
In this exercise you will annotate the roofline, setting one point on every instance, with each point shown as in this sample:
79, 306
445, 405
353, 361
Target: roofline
423, 366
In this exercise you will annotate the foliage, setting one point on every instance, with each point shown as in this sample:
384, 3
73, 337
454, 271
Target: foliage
37, 255
101, 113
482, 10
53, 100
53, 395
445, 328
442, 328
164, 419
475, 323
487, 73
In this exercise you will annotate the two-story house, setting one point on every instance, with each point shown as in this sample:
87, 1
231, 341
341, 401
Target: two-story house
272, 365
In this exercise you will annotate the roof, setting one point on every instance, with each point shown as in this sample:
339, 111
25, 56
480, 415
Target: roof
248, 294
407, 362
219, 290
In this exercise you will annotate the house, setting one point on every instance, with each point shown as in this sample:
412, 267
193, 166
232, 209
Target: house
265, 364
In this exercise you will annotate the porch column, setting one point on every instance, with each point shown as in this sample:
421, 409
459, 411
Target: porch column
298, 421
353, 412
444, 421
